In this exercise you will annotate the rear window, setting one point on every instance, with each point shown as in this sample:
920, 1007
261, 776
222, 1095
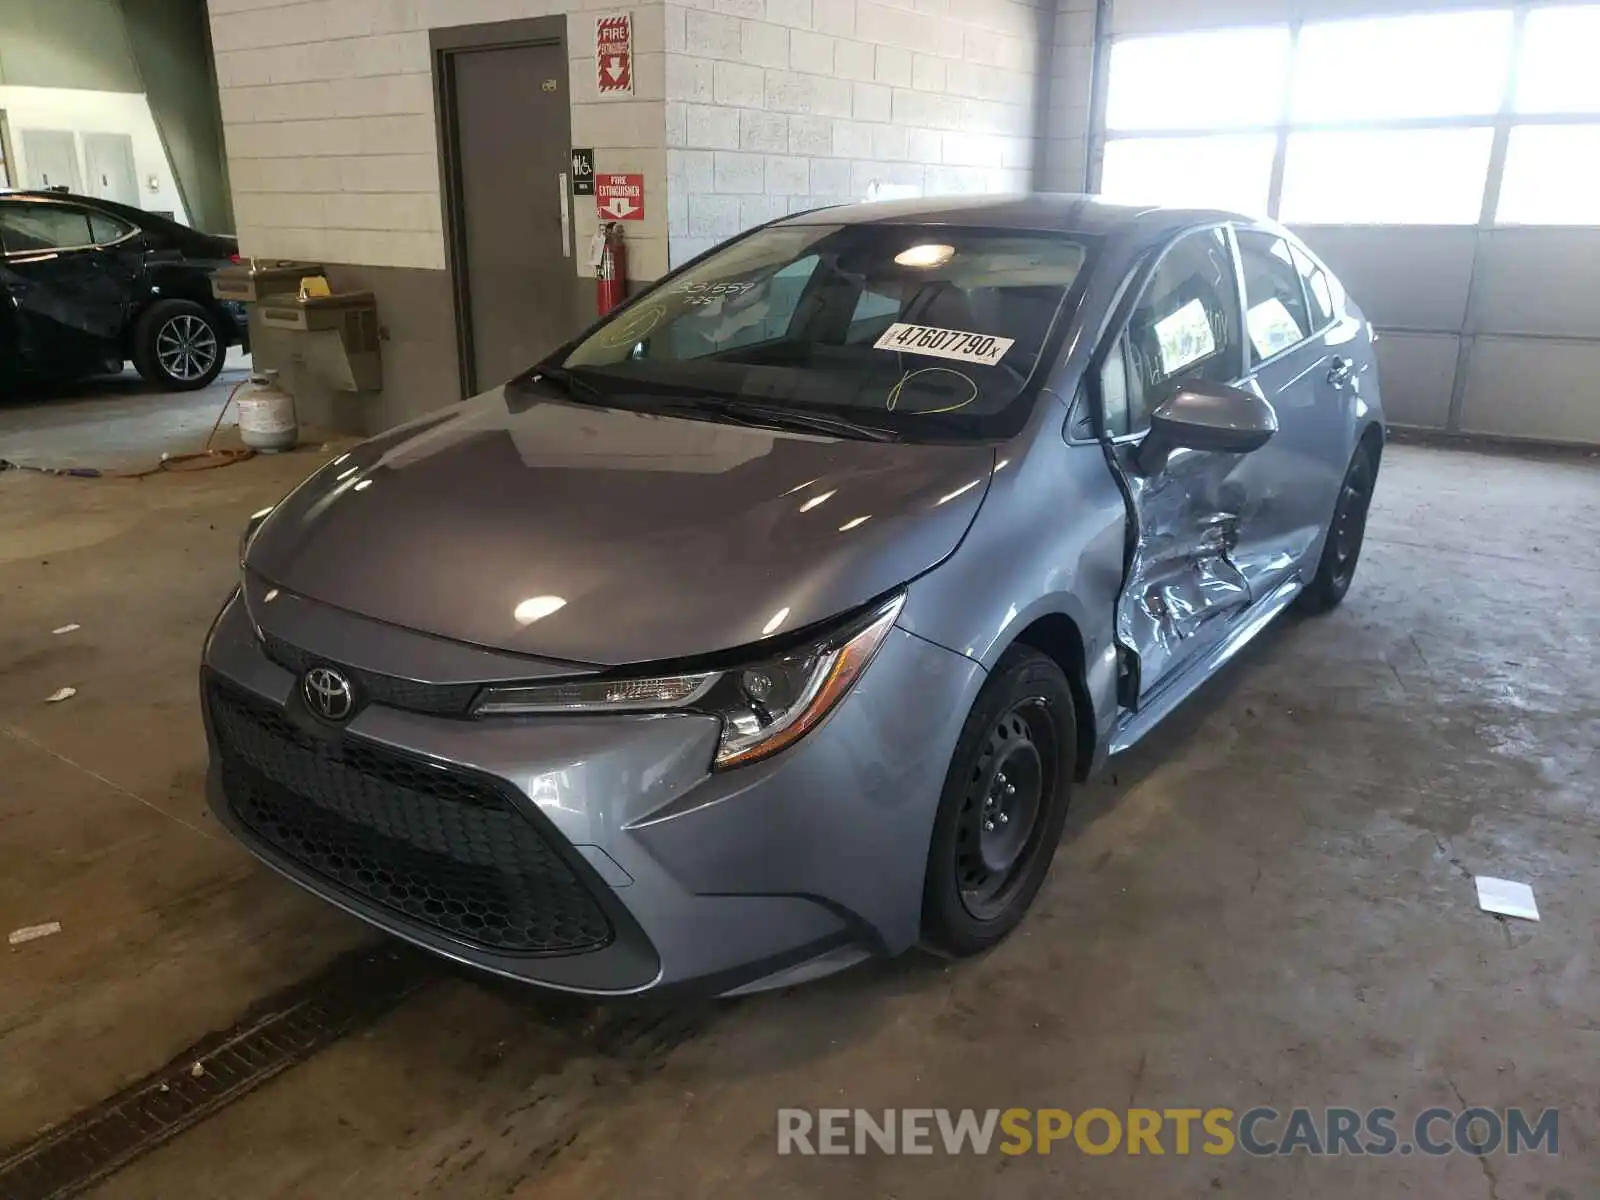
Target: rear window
105, 228
1317, 290
925, 329
1274, 300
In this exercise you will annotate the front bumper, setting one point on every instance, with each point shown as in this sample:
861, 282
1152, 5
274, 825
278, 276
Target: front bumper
590, 854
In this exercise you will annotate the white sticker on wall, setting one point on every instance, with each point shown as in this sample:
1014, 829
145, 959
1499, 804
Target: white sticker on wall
982, 348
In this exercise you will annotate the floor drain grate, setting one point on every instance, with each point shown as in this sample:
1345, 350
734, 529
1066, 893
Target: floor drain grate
287, 1029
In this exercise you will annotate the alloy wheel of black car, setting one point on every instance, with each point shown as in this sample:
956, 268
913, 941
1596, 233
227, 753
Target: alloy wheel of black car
1003, 806
1346, 533
177, 345
186, 347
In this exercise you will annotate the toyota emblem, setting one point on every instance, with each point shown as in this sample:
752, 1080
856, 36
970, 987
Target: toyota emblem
328, 693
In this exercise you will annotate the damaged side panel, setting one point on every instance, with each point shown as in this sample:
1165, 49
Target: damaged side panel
1183, 584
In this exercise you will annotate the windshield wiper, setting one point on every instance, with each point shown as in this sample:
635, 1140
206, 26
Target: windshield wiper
746, 412
733, 409
576, 387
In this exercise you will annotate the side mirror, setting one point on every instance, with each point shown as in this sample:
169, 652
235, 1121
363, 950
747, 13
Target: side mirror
1207, 416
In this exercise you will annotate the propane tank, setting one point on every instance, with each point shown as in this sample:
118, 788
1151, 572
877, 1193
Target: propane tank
266, 415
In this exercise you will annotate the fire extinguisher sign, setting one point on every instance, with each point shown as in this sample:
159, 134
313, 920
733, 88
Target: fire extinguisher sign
613, 54
619, 197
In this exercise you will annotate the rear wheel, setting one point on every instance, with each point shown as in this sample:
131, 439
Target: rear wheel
1342, 548
1004, 802
178, 344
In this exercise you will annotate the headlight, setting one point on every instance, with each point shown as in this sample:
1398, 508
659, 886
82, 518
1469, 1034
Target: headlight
764, 705
611, 695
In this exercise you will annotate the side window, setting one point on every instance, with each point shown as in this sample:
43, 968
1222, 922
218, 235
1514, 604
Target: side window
1275, 302
105, 229
34, 227
1185, 327
1317, 289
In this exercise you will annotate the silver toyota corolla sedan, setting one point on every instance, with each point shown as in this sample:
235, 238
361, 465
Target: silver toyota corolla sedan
767, 625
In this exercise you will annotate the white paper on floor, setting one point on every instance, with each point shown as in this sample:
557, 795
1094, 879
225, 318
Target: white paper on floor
56, 697
1507, 897
29, 933
67, 628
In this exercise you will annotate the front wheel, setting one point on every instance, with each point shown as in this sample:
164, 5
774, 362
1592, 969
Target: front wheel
1003, 805
1342, 548
178, 344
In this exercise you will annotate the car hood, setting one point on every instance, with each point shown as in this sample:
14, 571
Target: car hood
609, 536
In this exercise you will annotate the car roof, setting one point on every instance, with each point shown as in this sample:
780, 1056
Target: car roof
139, 215
52, 194
1059, 212
142, 217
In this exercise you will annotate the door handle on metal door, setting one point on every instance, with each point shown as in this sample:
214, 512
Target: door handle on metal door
1342, 371
566, 215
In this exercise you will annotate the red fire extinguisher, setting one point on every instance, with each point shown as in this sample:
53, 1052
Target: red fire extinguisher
612, 274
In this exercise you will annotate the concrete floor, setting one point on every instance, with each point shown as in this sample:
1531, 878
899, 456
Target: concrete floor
118, 421
1267, 903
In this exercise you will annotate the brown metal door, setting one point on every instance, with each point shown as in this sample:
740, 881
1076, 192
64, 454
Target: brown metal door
512, 136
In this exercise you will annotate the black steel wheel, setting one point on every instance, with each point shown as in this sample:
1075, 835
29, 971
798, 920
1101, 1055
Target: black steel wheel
1004, 802
1346, 532
1001, 808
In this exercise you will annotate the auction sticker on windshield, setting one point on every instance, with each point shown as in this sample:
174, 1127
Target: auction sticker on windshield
981, 348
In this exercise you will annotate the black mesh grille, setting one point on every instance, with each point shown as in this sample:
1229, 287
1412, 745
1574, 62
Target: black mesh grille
442, 846
435, 699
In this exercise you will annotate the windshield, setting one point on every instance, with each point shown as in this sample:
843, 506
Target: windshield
921, 330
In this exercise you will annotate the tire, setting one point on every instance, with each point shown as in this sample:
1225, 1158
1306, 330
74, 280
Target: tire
982, 873
178, 345
1341, 549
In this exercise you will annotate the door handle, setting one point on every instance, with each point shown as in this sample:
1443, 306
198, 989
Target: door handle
566, 214
1342, 371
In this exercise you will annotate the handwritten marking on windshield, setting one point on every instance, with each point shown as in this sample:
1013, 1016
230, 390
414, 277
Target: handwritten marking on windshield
892, 402
632, 326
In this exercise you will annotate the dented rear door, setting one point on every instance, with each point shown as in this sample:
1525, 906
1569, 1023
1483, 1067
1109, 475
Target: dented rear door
1292, 481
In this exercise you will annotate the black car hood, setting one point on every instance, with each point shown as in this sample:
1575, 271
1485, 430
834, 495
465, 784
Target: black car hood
662, 537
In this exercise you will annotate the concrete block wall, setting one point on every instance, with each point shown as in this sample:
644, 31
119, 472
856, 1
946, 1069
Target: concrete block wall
773, 106
328, 113
1064, 124
743, 110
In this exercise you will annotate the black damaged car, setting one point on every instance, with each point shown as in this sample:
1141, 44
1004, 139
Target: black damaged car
87, 285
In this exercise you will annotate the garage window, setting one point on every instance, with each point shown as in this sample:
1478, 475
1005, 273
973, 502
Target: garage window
1232, 171
1395, 68
1556, 71
1548, 174
1383, 120
1216, 80
1390, 176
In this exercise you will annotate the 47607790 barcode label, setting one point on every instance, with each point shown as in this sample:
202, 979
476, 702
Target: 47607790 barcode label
982, 348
